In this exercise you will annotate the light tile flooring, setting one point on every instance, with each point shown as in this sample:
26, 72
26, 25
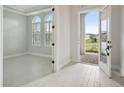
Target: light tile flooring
20, 70
78, 75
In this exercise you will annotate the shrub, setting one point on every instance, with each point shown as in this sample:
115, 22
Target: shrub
92, 48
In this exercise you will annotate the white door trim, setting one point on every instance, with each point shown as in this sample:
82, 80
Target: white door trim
1, 45
78, 40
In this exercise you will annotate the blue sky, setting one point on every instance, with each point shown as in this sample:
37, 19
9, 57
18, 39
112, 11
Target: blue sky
91, 21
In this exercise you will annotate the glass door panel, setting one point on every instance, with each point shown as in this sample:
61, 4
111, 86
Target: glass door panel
105, 40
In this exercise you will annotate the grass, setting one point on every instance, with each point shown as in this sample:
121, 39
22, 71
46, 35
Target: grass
91, 46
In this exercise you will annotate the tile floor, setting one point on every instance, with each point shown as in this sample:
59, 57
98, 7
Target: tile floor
78, 75
20, 70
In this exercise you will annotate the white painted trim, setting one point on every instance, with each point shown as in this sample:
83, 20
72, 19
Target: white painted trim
27, 14
63, 65
24, 53
122, 72
38, 11
56, 41
13, 10
79, 14
75, 60
14, 55
99, 23
39, 54
54, 38
82, 33
116, 67
89, 10
78, 42
1, 46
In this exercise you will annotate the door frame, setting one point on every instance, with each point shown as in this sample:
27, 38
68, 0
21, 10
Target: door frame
79, 30
1, 46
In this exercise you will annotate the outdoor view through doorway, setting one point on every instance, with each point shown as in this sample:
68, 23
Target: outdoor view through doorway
91, 37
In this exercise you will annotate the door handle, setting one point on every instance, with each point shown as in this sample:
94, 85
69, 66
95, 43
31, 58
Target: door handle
107, 51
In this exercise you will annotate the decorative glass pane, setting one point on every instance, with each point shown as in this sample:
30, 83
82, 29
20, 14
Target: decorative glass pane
48, 17
103, 33
36, 19
48, 29
36, 22
38, 27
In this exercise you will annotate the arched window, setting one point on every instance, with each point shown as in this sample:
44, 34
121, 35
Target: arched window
48, 29
36, 23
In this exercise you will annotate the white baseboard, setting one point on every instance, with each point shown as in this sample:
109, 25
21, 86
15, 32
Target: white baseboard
122, 72
14, 55
116, 67
38, 54
66, 63
31, 53
1, 71
75, 60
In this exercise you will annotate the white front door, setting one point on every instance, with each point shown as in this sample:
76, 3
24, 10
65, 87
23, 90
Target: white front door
105, 40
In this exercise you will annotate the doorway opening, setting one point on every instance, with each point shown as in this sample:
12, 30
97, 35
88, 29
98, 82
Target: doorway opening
89, 37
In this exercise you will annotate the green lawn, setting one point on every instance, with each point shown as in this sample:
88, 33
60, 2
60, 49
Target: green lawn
91, 46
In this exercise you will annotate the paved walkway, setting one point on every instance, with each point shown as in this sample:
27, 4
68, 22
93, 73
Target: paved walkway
90, 58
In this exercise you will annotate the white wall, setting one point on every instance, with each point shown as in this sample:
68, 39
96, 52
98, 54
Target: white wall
17, 35
43, 50
62, 23
14, 33
116, 37
74, 32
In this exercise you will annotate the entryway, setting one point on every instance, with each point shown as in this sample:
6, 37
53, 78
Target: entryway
89, 37
95, 37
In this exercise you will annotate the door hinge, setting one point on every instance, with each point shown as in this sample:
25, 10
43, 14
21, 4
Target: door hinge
53, 44
109, 42
53, 61
53, 9
53, 27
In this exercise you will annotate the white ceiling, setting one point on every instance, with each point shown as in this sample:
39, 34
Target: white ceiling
27, 8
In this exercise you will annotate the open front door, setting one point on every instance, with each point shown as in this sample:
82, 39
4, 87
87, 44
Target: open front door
105, 40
